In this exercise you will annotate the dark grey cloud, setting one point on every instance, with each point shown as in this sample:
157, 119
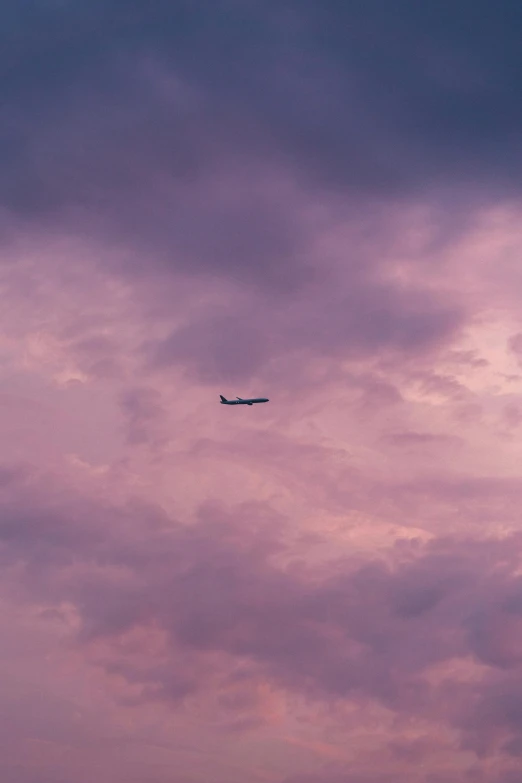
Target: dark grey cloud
351, 318
444, 75
117, 117
224, 348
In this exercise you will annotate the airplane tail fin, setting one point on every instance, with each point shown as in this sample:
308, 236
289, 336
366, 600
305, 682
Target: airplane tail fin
223, 399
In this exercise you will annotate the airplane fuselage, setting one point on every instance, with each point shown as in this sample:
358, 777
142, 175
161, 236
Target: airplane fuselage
239, 401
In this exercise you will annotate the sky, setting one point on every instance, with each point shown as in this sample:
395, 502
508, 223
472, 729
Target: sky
316, 202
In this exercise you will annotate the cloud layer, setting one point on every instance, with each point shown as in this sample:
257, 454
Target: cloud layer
319, 203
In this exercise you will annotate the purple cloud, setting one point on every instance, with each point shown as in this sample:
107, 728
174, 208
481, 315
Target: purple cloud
316, 202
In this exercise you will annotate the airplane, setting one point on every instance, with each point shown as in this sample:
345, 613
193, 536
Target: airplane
241, 401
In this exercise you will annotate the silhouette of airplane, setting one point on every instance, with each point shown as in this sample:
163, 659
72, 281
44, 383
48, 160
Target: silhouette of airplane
241, 401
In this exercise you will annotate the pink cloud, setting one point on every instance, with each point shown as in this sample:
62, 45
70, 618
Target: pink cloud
324, 589
350, 629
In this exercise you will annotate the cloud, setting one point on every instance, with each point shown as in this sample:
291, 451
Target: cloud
417, 439
515, 344
342, 320
316, 202
177, 134
146, 415
350, 628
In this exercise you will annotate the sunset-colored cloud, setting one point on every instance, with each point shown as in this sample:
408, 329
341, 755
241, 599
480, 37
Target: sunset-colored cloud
318, 203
